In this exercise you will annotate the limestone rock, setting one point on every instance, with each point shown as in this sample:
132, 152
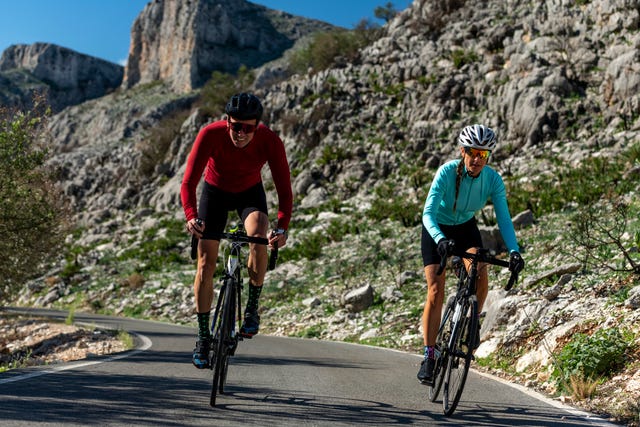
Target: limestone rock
184, 42
66, 77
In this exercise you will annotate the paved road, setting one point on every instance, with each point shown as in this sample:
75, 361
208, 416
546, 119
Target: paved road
272, 381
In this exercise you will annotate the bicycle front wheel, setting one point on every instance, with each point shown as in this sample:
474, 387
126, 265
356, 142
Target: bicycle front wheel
460, 355
221, 337
442, 342
230, 318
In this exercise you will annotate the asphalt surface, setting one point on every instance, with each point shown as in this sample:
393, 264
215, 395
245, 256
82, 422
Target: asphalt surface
271, 381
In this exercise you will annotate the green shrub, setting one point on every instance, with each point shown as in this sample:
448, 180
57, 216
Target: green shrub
154, 148
461, 57
582, 185
156, 253
333, 154
389, 205
601, 231
590, 356
327, 47
33, 217
310, 247
215, 94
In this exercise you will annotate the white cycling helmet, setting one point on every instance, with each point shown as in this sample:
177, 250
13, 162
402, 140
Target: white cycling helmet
478, 136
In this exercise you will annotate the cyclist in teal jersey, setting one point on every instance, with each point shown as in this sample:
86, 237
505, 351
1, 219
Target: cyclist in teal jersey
459, 189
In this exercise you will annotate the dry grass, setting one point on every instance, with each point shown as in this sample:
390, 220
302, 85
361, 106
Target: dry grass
582, 388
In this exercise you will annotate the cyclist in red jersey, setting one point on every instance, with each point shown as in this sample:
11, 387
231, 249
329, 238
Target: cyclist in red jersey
231, 153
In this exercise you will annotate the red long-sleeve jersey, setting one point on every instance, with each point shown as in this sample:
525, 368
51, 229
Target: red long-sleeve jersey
234, 169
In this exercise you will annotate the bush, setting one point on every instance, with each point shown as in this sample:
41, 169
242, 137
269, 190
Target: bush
33, 215
585, 184
390, 205
599, 231
159, 250
326, 49
221, 86
155, 147
589, 357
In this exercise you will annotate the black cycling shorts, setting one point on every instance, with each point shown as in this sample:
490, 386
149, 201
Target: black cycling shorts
215, 205
466, 236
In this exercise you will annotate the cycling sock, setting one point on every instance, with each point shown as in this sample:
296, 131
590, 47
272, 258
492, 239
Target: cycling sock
254, 297
430, 351
203, 325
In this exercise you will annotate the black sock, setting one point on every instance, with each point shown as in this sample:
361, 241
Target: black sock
204, 325
254, 297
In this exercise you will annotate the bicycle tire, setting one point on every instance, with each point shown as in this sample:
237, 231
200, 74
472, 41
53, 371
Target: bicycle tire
441, 345
459, 360
220, 353
230, 318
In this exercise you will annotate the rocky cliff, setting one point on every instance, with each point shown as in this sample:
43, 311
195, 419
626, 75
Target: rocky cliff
181, 43
64, 76
177, 42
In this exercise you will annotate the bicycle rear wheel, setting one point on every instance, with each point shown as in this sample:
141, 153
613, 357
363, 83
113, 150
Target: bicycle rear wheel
442, 342
459, 358
221, 337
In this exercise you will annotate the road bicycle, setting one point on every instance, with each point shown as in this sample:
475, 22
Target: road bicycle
228, 309
459, 327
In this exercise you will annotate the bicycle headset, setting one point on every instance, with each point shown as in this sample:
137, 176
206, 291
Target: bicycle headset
244, 106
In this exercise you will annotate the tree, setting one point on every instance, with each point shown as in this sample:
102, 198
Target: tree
32, 213
386, 12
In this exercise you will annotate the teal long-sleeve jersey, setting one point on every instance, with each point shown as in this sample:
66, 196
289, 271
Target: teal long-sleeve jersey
472, 197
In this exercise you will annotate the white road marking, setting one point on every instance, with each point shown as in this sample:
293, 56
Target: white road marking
146, 344
593, 419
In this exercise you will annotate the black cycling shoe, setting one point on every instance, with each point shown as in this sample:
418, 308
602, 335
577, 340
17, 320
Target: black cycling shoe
251, 324
425, 374
201, 353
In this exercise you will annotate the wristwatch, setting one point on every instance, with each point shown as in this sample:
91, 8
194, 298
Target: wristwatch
282, 231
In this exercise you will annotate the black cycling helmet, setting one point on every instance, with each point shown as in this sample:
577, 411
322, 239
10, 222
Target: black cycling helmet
244, 106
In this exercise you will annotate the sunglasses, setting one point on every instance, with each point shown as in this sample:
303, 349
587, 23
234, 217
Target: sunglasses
482, 154
242, 127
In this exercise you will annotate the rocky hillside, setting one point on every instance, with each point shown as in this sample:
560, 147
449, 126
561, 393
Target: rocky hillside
557, 80
63, 76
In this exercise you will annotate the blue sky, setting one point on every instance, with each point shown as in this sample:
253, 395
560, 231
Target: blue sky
102, 28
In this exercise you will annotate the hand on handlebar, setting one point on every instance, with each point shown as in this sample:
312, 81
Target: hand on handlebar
445, 247
277, 239
195, 227
516, 263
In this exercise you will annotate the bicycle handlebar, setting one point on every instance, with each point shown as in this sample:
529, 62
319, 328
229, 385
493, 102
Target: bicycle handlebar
483, 255
239, 236
513, 278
